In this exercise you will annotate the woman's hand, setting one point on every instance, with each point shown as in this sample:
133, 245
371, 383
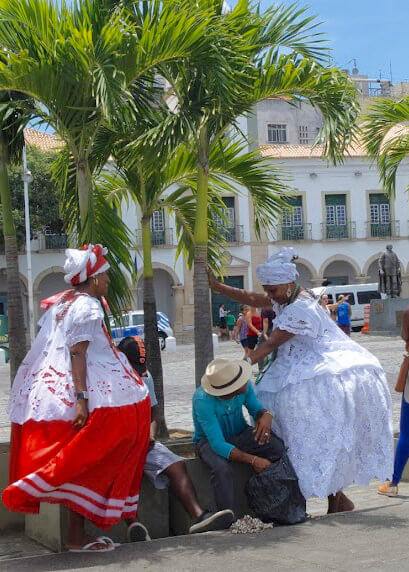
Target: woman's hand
262, 430
259, 464
81, 414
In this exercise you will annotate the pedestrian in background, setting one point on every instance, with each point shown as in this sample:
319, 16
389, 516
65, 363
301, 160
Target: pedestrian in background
222, 320
230, 321
390, 488
344, 315
253, 321
240, 332
267, 317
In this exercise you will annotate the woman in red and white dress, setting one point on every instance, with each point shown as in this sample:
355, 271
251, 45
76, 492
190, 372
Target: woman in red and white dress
80, 415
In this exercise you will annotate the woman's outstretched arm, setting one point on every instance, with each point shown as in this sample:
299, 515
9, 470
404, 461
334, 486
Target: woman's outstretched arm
276, 338
240, 295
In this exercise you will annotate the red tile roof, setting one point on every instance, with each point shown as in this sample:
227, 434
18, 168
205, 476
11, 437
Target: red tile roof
44, 141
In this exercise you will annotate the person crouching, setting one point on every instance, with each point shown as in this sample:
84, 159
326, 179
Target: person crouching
163, 467
221, 432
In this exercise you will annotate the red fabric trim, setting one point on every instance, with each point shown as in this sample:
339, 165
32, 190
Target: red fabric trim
107, 457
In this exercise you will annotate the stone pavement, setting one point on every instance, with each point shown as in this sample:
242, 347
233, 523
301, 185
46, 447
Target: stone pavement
370, 538
179, 378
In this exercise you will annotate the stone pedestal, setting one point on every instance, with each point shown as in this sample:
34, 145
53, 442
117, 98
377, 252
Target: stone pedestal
386, 316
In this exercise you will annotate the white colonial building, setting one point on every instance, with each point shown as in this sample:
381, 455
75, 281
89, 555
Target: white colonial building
339, 223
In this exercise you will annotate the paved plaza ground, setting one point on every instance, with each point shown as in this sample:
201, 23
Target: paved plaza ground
371, 538
179, 378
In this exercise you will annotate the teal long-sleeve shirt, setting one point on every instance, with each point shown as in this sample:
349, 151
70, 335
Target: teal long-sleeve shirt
217, 419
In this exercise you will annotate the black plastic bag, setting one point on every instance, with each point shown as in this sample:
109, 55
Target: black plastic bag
274, 494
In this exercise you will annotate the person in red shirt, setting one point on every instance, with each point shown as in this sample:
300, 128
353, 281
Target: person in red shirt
254, 328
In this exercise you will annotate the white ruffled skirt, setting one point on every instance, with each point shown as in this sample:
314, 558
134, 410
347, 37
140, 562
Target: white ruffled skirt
337, 428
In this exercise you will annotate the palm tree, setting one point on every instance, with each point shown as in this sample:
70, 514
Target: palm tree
171, 184
13, 118
276, 54
386, 136
80, 61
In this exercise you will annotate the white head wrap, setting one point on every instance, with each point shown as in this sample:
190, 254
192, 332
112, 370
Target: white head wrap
81, 264
279, 268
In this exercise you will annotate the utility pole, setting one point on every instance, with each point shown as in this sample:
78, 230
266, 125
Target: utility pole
27, 179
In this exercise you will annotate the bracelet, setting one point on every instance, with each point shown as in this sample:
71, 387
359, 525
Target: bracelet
252, 461
406, 355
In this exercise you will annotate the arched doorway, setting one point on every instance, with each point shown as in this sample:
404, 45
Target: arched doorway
305, 275
48, 285
340, 272
163, 284
373, 272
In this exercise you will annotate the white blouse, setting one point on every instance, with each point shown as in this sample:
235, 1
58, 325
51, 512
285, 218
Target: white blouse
44, 389
319, 346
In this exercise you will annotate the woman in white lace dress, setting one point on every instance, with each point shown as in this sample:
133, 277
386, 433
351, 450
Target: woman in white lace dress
80, 415
329, 396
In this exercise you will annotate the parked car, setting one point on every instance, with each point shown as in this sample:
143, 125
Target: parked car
132, 324
359, 296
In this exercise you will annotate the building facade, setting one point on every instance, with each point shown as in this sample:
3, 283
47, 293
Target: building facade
339, 222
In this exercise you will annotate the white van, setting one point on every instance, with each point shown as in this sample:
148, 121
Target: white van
359, 296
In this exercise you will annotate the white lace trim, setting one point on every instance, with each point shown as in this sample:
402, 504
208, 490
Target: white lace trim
338, 430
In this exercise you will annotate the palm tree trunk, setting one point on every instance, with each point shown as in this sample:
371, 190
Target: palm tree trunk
84, 182
202, 315
17, 334
154, 358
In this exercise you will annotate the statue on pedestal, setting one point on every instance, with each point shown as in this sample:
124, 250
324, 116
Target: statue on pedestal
390, 280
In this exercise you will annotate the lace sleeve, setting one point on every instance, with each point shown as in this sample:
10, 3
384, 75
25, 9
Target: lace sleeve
299, 318
84, 321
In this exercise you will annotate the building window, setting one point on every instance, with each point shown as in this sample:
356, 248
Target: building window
379, 208
228, 224
303, 135
276, 133
293, 220
379, 213
158, 228
335, 217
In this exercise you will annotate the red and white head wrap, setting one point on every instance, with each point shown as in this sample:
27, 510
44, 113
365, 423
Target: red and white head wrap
85, 262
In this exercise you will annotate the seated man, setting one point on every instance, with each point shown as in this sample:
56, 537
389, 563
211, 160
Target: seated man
221, 432
163, 467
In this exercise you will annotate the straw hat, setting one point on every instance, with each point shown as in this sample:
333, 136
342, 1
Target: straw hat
224, 376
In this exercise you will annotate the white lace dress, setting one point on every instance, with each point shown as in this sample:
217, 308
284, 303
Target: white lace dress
331, 402
95, 471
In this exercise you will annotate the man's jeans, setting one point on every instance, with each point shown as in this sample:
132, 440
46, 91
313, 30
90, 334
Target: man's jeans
221, 468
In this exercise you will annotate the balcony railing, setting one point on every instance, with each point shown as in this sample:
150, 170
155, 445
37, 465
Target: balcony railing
295, 232
383, 230
232, 233
159, 237
345, 231
55, 241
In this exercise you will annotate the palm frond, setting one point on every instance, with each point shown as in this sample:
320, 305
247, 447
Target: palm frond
385, 130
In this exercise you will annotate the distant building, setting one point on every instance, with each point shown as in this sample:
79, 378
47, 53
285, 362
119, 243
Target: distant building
339, 223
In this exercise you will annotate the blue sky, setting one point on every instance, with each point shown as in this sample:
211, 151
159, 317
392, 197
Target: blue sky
375, 32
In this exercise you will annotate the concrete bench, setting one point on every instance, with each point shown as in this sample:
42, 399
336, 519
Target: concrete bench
159, 511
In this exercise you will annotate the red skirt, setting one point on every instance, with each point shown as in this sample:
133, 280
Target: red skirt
96, 471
